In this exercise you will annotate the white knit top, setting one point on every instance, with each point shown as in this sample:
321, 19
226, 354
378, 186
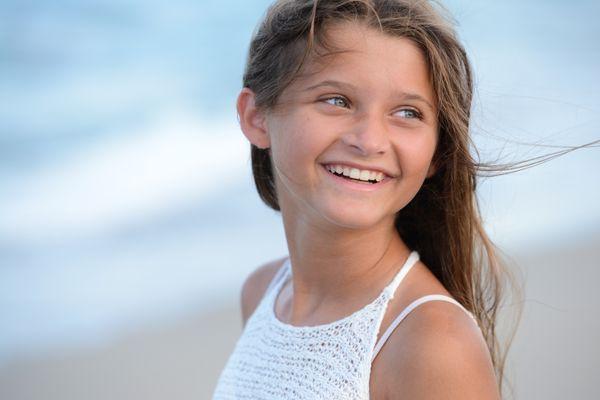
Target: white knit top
275, 360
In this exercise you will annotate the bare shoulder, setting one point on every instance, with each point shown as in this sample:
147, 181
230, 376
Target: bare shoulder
439, 353
256, 284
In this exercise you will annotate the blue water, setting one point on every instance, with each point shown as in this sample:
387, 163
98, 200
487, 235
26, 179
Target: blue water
125, 187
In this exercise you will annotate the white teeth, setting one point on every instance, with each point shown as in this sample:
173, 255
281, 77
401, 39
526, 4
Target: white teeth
354, 173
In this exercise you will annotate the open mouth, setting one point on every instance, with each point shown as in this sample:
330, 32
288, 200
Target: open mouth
369, 182
347, 178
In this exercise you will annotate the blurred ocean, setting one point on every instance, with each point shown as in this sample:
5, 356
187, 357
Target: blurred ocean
125, 187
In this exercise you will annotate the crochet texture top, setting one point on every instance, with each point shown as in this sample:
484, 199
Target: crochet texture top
275, 360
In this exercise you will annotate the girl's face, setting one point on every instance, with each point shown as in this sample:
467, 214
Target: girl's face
371, 107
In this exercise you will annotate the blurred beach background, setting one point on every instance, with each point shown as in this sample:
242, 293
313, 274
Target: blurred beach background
129, 219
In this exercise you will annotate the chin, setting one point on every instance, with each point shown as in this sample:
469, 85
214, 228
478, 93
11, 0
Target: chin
351, 218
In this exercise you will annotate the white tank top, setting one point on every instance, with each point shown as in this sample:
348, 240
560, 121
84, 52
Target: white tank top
275, 360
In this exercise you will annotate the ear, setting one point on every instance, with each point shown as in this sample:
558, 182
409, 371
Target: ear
252, 120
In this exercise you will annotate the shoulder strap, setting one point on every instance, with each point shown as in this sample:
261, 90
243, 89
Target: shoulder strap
278, 275
408, 309
412, 259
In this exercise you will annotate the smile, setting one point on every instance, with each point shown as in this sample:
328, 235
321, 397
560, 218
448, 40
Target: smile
378, 181
355, 173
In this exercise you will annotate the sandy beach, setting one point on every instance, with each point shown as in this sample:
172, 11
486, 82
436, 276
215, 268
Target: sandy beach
178, 361
555, 354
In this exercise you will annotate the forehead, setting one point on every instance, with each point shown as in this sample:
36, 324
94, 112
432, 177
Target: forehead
368, 58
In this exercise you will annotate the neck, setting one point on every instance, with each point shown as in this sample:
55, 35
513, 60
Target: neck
332, 266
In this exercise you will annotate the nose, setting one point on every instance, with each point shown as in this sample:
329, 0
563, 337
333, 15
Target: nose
368, 135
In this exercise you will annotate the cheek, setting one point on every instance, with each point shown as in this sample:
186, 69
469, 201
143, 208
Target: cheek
296, 143
416, 154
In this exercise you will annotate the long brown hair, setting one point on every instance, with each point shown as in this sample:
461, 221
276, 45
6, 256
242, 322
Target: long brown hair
443, 221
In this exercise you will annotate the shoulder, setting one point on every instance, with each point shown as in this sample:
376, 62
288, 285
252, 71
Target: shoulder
256, 284
439, 353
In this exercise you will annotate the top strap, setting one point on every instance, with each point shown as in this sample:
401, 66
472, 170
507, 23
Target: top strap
412, 259
407, 310
278, 275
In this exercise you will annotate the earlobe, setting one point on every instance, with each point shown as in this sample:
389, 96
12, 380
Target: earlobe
252, 120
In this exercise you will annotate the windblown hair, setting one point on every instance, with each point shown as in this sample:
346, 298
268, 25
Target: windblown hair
443, 221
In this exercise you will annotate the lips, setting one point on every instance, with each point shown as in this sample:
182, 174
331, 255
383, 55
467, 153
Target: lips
356, 185
352, 174
349, 164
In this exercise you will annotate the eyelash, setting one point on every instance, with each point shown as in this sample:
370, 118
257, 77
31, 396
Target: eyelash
336, 97
417, 114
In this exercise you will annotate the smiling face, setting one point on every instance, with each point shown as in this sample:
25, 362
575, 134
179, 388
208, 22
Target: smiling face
371, 106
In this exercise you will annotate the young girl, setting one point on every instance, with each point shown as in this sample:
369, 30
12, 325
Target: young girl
358, 118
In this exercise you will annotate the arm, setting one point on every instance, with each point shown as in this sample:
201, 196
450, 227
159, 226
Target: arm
444, 356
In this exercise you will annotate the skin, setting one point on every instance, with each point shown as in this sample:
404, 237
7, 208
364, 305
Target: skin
342, 243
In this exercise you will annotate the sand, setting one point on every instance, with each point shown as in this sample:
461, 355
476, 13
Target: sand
555, 354
178, 361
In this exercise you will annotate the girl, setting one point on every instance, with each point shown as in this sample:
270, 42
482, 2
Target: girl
358, 116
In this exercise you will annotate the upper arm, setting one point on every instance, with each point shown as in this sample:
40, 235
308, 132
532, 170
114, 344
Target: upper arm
444, 357
255, 286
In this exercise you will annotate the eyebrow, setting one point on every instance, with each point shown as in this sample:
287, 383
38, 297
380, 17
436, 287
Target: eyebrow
347, 86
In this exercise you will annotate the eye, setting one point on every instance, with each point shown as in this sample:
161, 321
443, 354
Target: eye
338, 101
410, 113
